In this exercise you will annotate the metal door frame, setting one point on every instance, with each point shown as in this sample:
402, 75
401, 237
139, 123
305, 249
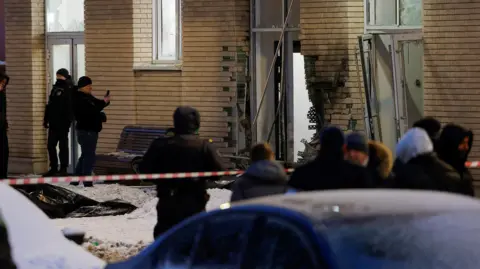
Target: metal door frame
72, 39
401, 112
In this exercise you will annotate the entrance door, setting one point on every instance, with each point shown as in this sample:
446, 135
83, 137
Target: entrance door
67, 53
408, 75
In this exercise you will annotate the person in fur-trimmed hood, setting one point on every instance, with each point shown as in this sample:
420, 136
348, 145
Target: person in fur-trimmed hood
380, 163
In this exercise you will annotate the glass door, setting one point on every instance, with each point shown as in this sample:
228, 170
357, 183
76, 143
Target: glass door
408, 80
67, 53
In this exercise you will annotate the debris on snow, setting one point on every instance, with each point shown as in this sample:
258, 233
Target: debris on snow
116, 238
113, 251
105, 192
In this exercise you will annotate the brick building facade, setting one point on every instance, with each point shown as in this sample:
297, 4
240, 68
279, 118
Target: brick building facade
118, 56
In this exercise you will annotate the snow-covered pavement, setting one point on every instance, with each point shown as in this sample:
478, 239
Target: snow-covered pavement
127, 233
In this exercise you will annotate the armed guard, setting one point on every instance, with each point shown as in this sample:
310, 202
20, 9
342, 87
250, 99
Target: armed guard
58, 119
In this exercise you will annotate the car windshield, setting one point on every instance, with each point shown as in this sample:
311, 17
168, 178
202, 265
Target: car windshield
420, 241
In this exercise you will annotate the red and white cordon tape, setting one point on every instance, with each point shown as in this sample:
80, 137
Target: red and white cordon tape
472, 164
53, 180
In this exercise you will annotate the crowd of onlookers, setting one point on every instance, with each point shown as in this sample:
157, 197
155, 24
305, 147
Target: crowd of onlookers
428, 157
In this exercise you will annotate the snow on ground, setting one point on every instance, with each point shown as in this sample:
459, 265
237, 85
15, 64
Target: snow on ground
117, 237
105, 192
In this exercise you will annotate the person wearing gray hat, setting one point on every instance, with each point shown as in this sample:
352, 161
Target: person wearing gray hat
357, 149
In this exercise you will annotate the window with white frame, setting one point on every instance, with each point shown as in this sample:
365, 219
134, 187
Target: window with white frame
167, 30
393, 13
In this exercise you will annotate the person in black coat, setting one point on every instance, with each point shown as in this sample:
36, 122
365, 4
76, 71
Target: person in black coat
185, 151
329, 170
432, 126
58, 120
4, 150
453, 147
264, 177
417, 166
6, 260
90, 117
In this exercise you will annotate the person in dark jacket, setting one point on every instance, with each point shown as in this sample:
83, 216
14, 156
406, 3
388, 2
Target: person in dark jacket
4, 150
357, 149
418, 167
58, 119
454, 146
6, 260
264, 176
432, 126
89, 116
185, 151
375, 156
330, 170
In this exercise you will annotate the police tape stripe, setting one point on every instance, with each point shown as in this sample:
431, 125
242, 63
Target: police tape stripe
54, 180
472, 164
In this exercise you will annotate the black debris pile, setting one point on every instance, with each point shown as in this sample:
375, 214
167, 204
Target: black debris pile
57, 202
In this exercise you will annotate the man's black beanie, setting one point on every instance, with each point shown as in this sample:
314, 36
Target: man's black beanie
83, 82
63, 72
332, 139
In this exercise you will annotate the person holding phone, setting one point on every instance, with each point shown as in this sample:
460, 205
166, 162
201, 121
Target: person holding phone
89, 118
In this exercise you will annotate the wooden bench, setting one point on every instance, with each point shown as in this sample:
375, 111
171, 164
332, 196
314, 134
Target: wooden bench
134, 142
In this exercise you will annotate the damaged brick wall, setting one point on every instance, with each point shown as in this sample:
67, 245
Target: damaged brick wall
329, 31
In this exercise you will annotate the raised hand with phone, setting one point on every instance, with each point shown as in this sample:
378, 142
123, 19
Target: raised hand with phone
106, 98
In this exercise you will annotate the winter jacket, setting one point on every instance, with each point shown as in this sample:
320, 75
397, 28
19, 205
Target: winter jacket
6, 261
262, 178
184, 152
447, 149
3, 104
329, 171
380, 163
59, 110
88, 112
418, 167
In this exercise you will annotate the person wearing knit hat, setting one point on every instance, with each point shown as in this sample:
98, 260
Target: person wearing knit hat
357, 149
58, 119
90, 117
330, 170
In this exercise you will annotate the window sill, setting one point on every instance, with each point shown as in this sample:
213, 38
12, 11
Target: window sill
158, 67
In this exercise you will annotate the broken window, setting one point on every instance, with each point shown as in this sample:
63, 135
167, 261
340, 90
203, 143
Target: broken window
65, 15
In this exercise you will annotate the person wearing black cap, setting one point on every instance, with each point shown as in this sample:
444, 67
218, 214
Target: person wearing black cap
184, 152
330, 170
432, 126
4, 152
89, 116
58, 120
